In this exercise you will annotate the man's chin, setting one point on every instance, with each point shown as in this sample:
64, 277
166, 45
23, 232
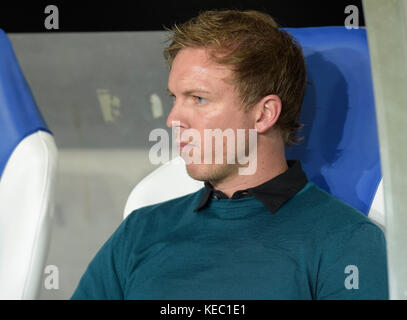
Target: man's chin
198, 171
207, 172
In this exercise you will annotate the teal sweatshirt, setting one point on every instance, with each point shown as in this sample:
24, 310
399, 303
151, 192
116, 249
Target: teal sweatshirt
314, 247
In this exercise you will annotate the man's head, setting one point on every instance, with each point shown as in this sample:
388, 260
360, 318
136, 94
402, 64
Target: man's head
253, 75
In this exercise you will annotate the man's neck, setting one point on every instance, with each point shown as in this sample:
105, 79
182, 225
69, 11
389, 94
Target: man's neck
266, 170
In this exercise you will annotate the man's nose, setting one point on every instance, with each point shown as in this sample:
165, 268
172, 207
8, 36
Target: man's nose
170, 118
174, 115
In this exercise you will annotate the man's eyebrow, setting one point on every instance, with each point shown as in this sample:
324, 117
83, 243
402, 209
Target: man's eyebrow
187, 92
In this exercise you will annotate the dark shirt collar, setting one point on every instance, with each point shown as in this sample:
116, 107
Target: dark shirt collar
272, 193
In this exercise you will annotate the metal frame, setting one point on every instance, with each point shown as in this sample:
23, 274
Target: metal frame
386, 26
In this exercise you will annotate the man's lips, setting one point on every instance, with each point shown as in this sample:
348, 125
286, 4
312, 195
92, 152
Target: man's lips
182, 145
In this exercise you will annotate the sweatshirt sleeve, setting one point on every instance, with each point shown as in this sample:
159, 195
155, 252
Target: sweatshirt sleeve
104, 278
353, 265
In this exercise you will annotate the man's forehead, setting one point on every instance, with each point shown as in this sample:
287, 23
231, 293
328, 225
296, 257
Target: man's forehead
194, 65
198, 55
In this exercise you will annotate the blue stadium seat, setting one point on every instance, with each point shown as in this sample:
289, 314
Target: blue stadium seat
340, 152
28, 160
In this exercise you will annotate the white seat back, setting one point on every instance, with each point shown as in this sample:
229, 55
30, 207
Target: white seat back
168, 181
26, 203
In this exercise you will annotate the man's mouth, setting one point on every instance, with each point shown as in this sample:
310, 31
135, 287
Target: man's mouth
184, 146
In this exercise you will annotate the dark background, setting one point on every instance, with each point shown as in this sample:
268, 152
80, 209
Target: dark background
119, 15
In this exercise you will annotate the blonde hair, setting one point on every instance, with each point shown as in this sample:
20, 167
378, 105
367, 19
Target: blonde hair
263, 58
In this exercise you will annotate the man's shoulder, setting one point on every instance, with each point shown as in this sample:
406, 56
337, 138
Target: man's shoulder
329, 213
146, 224
167, 208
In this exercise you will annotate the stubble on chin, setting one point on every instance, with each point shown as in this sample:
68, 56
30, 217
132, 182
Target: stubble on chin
214, 173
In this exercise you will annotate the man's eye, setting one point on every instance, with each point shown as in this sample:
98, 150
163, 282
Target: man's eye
199, 99
172, 96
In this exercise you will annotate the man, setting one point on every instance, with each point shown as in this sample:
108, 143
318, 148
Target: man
271, 234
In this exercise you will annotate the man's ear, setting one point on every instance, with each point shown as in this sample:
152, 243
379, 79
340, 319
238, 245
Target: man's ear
267, 113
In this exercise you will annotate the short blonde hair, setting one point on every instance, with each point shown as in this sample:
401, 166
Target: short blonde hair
263, 58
